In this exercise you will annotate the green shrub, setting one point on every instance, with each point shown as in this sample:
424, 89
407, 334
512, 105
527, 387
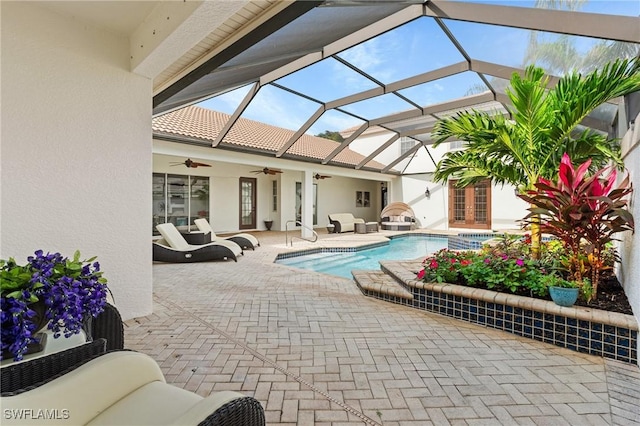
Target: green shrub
506, 266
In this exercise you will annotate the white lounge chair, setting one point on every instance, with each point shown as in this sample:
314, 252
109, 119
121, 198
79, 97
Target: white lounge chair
174, 248
244, 240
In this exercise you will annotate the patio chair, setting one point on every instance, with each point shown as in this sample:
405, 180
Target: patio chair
105, 332
120, 388
244, 240
172, 247
108, 325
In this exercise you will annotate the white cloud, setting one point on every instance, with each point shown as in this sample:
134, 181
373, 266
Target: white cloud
227, 102
277, 109
365, 56
334, 123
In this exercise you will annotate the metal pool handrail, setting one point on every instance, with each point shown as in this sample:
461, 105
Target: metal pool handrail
298, 223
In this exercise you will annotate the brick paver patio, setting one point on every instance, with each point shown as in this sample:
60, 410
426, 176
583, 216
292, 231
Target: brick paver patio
313, 350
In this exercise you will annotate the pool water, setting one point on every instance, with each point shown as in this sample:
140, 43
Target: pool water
341, 264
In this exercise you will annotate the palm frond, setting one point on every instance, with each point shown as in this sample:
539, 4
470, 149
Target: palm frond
598, 148
558, 57
608, 51
467, 126
469, 168
575, 96
520, 150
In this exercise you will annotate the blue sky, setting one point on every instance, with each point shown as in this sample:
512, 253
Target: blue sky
416, 47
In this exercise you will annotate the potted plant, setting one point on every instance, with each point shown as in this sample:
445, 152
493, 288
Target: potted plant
562, 292
268, 223
49, 290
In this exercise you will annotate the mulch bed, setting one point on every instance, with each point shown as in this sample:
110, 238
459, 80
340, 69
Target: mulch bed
611, 297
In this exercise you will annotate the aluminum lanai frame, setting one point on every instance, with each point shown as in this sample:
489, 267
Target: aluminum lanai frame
256, 67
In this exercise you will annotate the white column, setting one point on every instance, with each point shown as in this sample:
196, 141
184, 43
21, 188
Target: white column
307, 204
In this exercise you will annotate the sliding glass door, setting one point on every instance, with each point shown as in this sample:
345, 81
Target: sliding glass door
179, 199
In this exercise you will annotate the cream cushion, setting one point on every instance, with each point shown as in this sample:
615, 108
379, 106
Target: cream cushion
347, 221
204, 226
118, 388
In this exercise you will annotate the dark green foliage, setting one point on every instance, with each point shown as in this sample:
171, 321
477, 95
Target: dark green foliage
334, 136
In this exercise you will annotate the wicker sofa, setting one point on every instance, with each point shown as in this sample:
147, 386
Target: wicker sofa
344, 222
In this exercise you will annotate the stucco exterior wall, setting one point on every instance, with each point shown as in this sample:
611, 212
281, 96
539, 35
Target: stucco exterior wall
76, 143
432, 212
506, 208
338, 195
629, 269
335, 195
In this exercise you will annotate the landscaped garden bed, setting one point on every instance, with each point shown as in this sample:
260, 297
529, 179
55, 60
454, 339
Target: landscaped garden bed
583, 329
583, 208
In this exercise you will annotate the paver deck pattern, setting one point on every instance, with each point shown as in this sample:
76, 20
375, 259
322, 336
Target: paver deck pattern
313, 350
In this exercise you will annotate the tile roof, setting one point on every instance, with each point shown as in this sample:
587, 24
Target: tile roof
203, 124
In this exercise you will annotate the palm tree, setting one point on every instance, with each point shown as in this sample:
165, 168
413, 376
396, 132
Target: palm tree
559, 56
544, 125
559, 53
608, 51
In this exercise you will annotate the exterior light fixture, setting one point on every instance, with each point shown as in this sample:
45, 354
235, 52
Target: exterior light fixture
427, 193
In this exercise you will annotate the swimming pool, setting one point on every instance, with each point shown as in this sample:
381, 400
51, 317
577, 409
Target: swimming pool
341, 264
399, 248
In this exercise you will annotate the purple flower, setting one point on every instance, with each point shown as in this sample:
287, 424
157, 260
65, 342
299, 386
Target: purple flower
71, 291
487, 260
520, 262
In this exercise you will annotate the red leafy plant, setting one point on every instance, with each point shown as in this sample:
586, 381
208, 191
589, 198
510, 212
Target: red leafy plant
584, 212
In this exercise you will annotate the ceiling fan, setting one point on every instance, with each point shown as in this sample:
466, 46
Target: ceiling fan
319, 176
190, 163
267, 171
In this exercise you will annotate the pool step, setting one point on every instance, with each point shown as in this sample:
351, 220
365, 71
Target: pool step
380, 285
327, 260
401, 271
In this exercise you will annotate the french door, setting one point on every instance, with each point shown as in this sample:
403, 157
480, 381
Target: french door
247, 203
470, 206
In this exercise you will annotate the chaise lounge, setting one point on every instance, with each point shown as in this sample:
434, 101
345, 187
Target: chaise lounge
344, 222
173, 248
244, 240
